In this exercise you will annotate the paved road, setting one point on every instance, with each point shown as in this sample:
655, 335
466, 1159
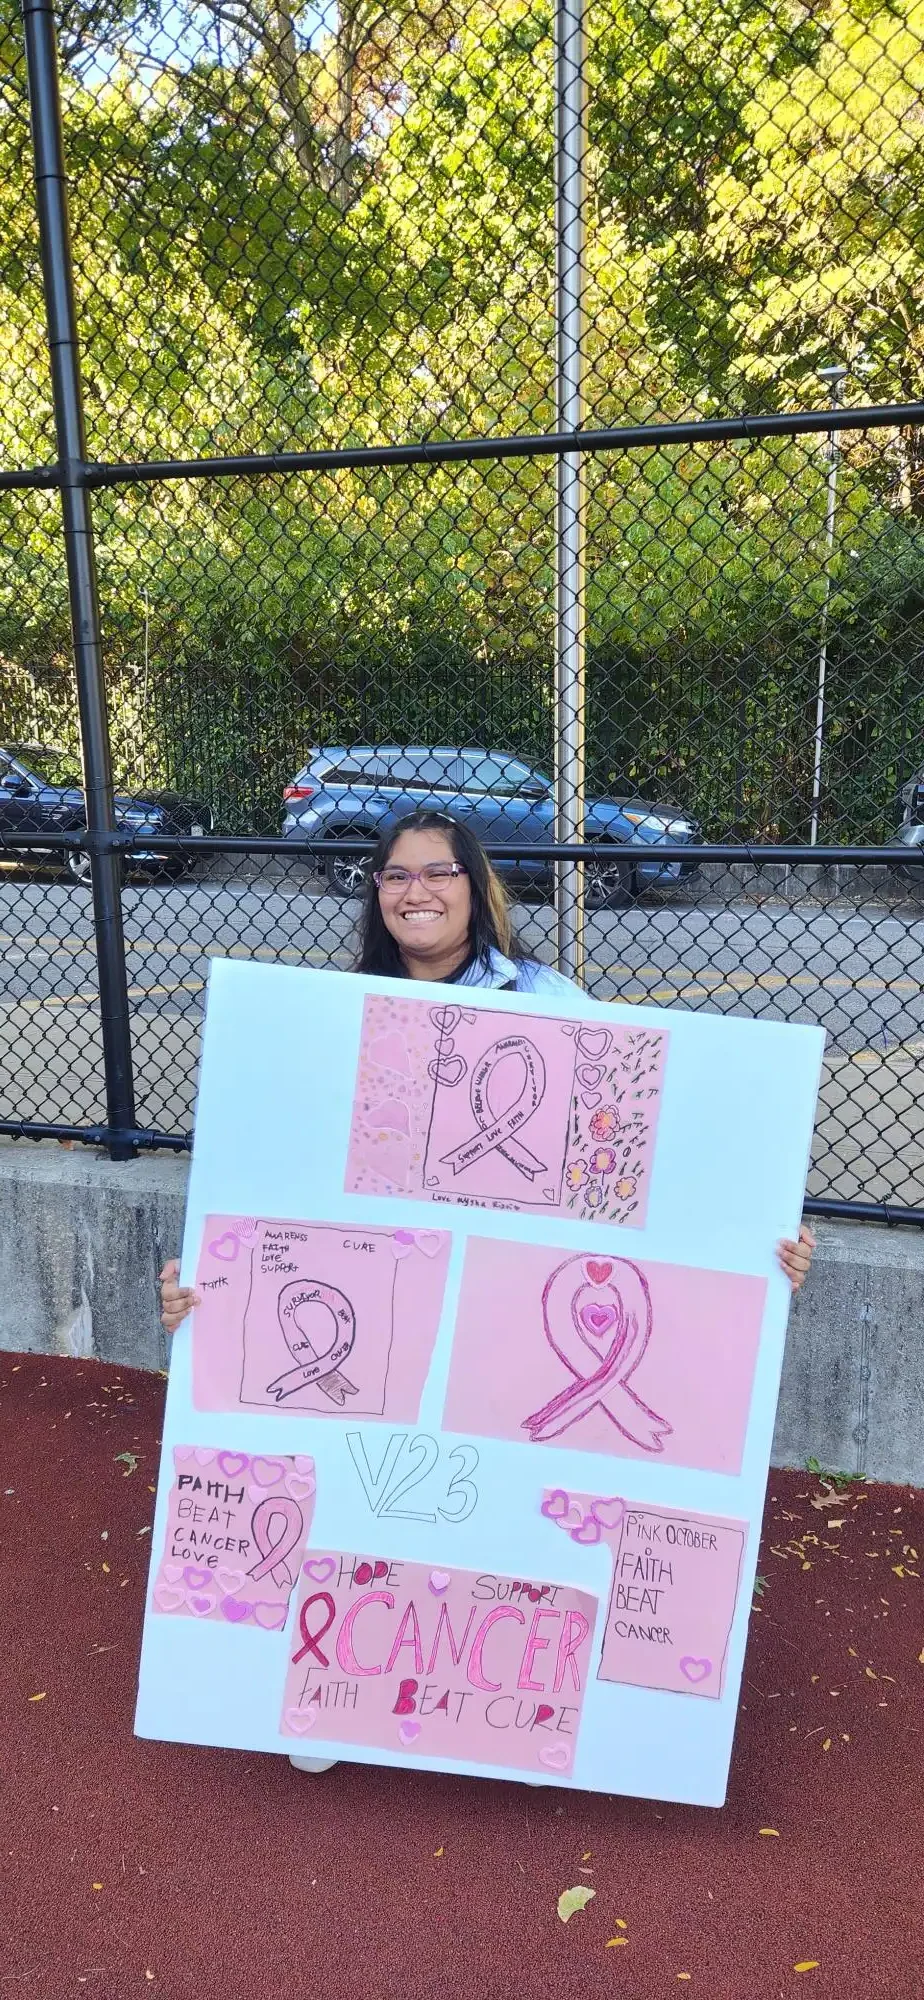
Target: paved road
856, 972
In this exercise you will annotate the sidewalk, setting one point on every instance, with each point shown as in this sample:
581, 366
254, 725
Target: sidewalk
152, 1869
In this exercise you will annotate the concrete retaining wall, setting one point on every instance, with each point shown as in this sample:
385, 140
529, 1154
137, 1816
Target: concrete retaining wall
83, 1240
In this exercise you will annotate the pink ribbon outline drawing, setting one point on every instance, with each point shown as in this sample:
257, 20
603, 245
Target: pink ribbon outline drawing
611, 1302
495, 1134
273, 1553
314, 1370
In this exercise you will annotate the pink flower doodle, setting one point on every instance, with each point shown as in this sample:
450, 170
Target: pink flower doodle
603, 1161
604, 1124
576, 1174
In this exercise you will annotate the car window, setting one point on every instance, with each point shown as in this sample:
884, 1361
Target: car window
421, 774
49, 767
503, 777
351, 774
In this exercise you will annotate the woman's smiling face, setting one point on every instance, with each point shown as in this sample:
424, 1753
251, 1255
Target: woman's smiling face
429, 921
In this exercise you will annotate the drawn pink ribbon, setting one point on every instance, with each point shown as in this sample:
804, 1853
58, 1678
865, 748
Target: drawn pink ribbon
610, 1304
495, 1134
314, 1370
273, 1553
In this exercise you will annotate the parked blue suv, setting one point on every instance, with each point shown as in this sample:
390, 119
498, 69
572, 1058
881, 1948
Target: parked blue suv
355, 793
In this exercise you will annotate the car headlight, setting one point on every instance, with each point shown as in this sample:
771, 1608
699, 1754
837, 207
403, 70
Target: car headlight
643, 819
680, 827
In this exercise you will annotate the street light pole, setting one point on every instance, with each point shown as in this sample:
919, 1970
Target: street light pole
834, 377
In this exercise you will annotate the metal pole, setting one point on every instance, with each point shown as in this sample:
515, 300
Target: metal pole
61, 320
834, 378
570, 478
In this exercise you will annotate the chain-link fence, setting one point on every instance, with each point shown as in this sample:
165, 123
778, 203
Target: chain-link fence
347, 281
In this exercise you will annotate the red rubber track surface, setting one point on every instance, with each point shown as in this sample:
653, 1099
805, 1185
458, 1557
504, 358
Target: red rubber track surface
133, 1869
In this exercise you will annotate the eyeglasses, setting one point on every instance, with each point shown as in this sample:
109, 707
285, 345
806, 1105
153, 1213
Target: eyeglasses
436, 875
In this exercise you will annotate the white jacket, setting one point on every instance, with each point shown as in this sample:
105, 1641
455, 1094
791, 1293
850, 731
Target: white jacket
530, 977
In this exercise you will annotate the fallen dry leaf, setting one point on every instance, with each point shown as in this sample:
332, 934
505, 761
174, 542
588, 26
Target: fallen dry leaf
828, 1498
574, 1899
611, 1941
770, 1831
807, 1965
921, 1657
36, 1697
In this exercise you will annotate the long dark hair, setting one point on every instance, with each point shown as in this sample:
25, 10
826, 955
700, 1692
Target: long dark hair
490, 929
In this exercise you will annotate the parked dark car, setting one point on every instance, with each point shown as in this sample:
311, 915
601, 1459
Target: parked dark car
41, 790
355, 793
911, 831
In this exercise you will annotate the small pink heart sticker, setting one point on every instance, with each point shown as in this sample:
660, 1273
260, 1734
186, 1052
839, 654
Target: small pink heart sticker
588, 1532
233, 1463
408, 1733
169, 1597
439, 1581
300, 1720
319, 1568
268, 1471
695, 1670
609, 1513
301, 1485
430, 1242
171, 1571
555, 1505
303, 1463
556, 1756
201, 1605
235, 1609
198, 1579
225, 1248
402, 1242
230, 1580
203, 1455
271, 1617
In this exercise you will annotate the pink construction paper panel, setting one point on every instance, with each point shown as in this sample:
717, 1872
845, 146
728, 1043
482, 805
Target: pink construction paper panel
313, 1316
675, 1586
440, 1663
505, 1110
236, 1531
648, 1361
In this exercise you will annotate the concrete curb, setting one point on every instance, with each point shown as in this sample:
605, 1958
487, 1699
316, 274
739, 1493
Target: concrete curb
84, 1239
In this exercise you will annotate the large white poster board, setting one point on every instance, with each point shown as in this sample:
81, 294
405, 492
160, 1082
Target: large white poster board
465, 1450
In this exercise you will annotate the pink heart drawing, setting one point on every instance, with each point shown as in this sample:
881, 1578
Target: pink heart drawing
169, 1598
390, 1052
201, 1605
231, 1463
171, 1571
594, 1042
589, 1531
198, 1579
235, 1609
609, 1513
183, 1453
225, 1248
598, 1319
439, 1581
389, 1117
203, 1455
302, 1719
301, 1485
402, 1242
557, 1756
230, 1580
271, 1617
588, 1075
555, 1505
268, 1471
548, 1194
408, 1732
432, 1180
597, 1273
319, 1568
590, 1099
695, 1670
302, 1463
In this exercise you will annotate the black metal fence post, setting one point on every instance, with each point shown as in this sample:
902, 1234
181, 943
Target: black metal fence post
60, 312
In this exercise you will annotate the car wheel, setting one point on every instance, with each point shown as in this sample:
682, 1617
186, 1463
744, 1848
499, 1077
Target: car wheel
609, 884
347, 874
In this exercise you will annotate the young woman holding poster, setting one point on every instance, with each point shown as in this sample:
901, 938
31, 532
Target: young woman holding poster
435, 909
